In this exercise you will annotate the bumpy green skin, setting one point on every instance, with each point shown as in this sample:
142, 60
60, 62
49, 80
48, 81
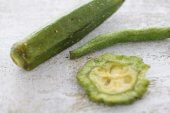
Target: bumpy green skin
126, 97
63, 33
106, 40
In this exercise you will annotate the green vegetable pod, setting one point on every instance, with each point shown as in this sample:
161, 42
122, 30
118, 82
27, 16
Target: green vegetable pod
114, 79
106, 40
63, 33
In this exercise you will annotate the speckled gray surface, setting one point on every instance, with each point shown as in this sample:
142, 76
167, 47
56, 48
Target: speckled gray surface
52, 87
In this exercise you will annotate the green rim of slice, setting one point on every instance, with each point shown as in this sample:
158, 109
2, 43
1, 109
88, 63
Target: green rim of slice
114, 79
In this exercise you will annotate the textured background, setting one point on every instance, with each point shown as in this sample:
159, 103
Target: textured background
52, 87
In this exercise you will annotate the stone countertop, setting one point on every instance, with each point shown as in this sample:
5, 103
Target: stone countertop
52, 87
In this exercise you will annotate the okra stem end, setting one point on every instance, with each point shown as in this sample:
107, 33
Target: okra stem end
18, 55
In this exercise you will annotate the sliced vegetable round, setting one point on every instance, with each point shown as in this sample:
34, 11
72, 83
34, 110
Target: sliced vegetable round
114, 79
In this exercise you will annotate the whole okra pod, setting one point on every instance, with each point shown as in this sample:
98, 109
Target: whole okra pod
63, 33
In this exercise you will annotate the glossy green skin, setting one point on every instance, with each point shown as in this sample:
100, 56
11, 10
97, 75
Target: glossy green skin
106, 40
63, 33
127, 97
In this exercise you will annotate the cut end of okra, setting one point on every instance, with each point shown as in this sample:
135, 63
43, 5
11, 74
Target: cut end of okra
114, 79
18, 55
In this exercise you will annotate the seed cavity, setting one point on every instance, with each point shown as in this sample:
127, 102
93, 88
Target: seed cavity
113, 78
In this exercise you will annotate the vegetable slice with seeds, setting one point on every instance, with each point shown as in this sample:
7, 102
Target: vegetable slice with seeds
114, 79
